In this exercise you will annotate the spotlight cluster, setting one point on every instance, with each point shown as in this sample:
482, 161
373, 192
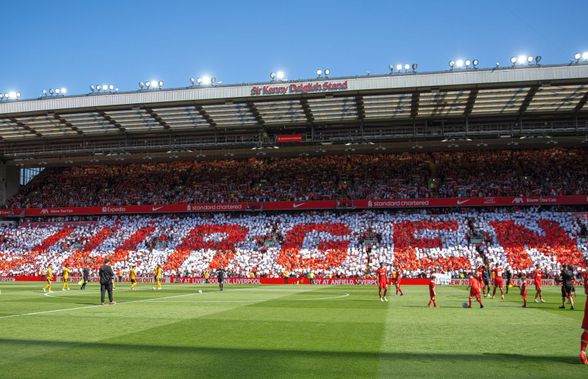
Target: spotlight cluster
403, 67
461, 64
205, 80
278, 76
523, 60
581, 57
103, 88
320, 72
11, 95
51, 92
151, 85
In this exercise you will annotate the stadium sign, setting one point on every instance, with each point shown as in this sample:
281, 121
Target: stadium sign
298, 88
502, 201
277, 280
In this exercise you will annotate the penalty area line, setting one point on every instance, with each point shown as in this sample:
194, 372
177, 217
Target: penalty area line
91, 306
322, 298
163, 300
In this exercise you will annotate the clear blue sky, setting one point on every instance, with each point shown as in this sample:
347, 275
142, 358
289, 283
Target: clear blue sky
82, 42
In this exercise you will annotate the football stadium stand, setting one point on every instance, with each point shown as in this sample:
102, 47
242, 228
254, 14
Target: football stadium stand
547, 172
425, 172
342, 244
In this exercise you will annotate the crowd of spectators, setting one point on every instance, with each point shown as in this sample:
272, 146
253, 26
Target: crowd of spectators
376, 176
329, 244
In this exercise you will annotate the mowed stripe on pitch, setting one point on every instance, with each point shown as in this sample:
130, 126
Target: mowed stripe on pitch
261, 290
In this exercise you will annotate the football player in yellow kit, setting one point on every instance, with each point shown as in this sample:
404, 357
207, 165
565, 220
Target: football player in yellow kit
133, 278
157, 276
48, 279
65, 274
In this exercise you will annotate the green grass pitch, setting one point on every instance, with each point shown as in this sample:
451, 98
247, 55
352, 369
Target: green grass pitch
283, 331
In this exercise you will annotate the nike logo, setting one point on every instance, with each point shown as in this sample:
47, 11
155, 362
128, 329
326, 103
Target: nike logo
155, 208
460, 202
297, 205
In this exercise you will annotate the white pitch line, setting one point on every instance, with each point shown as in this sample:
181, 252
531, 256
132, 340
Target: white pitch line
209, 301
162, 300
90, 306
322, 298
153, 299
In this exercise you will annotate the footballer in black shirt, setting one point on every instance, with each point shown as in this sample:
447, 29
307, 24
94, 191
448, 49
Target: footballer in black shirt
220, 276
567, 286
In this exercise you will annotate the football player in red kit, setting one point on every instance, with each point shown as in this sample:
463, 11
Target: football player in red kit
584, 336
481, 273
398, 281
382, 283
498, 283
523, 287
432, 293
474, 291
538, 285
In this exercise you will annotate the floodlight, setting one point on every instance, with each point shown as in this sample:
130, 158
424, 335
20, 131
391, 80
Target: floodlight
63, 91
160, 83
206, 80
414, 66
192, 80
141, 85
147, 84
459, 63
585, 55
468, 62
451, 63
530, 59
398, 67
280, 75
92, 88
475, 62
577, 56
521, 59
327, 72
57, 91
406, 67
513, 60
391, 67
273, 75
111, 87
99, 87
319, 72
153, 83
537, 59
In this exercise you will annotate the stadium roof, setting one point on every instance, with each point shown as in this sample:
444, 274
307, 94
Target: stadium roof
406, 109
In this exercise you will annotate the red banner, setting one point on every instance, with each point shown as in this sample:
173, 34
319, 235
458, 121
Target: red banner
317, 281
184, 280
504, 201
298, 205
12, 212
289, 138
67, 224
